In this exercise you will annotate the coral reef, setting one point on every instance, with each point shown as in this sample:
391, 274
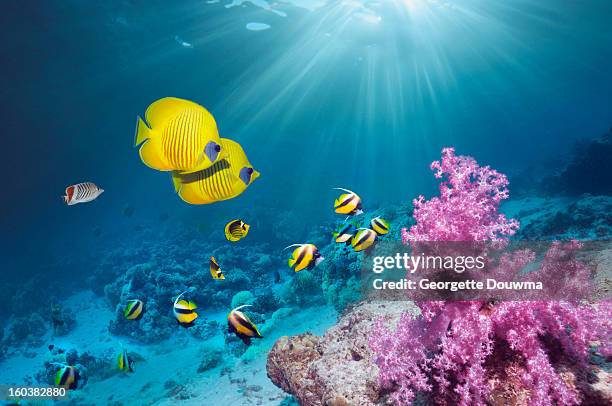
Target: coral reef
586, 217
335, 369
447, 351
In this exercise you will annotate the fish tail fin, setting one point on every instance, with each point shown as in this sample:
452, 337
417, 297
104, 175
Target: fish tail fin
176, 181
143, 132
291, 262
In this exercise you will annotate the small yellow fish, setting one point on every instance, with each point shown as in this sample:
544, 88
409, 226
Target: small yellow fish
215, 269
224, 180
348, 203
67, 377
124, 362
239, 324
184, 311
305, 256
236, 230
178, 135
380, 225
363, 239
134, 309
344, 234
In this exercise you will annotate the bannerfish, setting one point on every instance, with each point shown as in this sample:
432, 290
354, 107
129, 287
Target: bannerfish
224, 180
124, 362
364, 239
134, 309
82, 193
348, 203
344, 234
380, 225
215, 269
67, 376
178, 135
239, 324
305, 256
236, 230
184, 311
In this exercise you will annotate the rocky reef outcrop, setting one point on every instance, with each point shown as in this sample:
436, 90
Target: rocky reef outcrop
335, 369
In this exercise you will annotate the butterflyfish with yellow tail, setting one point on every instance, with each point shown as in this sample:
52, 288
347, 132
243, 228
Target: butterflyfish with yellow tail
240, 324
82, 193
364, 239
236, 230
184, 311
224, 180
348, 203
215, 269
305, 256
178, 135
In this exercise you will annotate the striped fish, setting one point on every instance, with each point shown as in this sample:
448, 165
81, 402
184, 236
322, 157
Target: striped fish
363, 239
67, 376
239, 324
81, 193
134, 309
344, 234
236, 230
348, 203
380, 225
215, 269
178, 135
305, 256
184, 311
124, 362
224, 180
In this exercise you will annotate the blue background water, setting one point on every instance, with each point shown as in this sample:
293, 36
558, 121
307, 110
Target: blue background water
326, 97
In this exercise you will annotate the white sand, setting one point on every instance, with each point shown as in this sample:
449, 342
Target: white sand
176, 359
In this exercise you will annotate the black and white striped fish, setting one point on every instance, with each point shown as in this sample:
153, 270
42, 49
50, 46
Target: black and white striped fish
81, 193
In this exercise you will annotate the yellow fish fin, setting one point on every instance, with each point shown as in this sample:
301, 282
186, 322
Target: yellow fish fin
151, 155
165, 109
143, 132
176, 181
291, 262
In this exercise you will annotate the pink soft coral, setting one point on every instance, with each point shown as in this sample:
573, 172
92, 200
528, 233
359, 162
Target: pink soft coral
467, 208
465, 352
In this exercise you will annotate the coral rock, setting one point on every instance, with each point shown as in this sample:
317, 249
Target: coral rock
336, 369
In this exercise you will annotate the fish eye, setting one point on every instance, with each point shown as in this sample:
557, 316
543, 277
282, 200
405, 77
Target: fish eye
218, 148
250, 171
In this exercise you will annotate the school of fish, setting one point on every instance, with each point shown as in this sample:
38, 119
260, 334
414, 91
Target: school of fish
181, 137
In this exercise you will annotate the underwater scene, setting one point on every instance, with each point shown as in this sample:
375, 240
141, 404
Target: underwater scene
235, 202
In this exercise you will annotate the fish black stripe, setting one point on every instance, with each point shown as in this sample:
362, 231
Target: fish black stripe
183, 311
136, 308
380, 224
362, 239
301, 256
346, 201
246, 323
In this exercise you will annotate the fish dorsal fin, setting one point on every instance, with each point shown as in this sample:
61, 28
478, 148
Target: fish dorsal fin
240, 307
179, 297
293, 245
165, 109
345, 190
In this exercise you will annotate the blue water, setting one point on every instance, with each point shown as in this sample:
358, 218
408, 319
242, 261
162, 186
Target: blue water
360, 94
